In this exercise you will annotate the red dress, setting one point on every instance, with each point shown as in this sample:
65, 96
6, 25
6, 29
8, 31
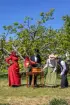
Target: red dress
26, 62
13, 71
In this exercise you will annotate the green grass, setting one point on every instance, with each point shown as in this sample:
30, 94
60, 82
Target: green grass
30, 96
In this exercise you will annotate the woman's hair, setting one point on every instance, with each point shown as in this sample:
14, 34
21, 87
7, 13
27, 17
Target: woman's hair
13, 53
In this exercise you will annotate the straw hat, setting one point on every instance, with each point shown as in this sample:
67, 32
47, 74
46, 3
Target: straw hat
52, 56
56, 56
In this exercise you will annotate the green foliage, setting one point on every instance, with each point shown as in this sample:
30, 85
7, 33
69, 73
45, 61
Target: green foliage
26, 37
46, 16
58, 102
66, 23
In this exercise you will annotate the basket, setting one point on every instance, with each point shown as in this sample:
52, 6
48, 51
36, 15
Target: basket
36, 69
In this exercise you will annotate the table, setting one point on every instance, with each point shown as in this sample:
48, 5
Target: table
41, 73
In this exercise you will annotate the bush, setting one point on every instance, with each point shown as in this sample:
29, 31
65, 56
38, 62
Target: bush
58, 102
3, 76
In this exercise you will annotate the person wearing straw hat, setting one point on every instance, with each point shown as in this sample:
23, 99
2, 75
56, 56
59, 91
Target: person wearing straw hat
51, 73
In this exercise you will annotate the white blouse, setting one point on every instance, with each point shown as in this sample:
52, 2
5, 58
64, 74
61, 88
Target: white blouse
50, 63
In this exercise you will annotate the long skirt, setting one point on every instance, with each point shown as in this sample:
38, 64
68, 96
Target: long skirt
13, 75
51, 77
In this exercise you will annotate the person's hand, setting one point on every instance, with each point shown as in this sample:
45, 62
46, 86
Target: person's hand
42, 69
61, 74
54, 70
10, 62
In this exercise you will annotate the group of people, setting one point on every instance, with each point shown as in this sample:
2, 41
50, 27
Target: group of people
51, 65
14, 76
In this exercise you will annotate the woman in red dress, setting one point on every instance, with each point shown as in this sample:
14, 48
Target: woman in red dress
13, 70
26, 62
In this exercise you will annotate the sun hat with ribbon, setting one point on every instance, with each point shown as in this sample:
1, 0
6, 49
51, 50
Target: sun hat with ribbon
51, 56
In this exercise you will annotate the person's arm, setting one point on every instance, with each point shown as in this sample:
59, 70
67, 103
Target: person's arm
32, 62
46, 65
55, 67
8, 59
63, 67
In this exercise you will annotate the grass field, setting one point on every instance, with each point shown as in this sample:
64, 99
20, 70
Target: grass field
29, 96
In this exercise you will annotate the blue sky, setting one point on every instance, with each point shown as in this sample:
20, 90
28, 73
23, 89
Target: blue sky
15, 10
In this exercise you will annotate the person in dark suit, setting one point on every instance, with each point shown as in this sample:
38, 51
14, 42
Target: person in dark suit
36, 58
64, 71
35, 62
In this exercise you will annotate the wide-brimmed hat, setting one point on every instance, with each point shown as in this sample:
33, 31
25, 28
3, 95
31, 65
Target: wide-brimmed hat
51, 56
56, 56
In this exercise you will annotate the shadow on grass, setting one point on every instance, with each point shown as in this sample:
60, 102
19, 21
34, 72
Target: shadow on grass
44, 86
4, 104
69, 85
23, 85
40, 86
